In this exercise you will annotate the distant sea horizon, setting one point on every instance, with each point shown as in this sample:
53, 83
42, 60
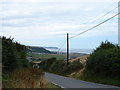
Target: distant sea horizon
85, 51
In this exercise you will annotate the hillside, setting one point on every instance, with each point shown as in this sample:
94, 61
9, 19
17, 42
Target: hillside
50, 47
37, 49
82, 59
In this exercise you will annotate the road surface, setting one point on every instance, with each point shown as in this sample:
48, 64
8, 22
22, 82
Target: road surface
65, 82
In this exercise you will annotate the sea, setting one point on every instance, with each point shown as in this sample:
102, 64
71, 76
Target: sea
85, 51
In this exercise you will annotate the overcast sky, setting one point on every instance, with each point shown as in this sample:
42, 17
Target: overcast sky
46, 22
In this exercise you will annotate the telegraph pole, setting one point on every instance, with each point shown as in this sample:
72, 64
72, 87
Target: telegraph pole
119, 24
67, 48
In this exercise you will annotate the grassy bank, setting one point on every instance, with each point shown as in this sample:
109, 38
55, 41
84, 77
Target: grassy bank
26, 78
102, 80
50, 85
80, 75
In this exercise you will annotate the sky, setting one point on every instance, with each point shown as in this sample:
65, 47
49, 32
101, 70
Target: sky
46, 22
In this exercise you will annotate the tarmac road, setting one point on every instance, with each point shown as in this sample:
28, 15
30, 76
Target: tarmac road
70, 83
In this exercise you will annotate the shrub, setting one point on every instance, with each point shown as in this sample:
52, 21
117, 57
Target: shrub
45, 65
60, 66
13, 55
72, 67
105, 61
57, 66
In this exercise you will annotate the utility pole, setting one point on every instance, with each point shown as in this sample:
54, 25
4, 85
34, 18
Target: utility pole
119, 24
67, 48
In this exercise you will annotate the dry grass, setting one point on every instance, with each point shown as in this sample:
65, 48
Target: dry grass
50, 85
27, 78
77, 74
82, 59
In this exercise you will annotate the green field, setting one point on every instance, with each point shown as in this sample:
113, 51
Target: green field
47, 56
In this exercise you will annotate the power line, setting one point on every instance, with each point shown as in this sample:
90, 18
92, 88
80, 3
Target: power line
106, 14
95, 26
92, 21
63, 43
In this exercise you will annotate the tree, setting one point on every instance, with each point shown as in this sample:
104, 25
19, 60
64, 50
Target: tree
105, 61
13, 55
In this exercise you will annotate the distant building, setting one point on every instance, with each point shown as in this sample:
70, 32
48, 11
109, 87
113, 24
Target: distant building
35, 65
119, 23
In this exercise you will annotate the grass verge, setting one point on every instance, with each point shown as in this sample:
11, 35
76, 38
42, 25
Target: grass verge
96, 79
26, 78
50, 85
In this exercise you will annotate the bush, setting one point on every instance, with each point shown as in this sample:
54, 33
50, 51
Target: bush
104, 61
72, 67
13, 55
45, 65
59, 66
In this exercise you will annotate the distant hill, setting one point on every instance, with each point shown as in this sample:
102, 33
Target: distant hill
37, 49
51, 47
